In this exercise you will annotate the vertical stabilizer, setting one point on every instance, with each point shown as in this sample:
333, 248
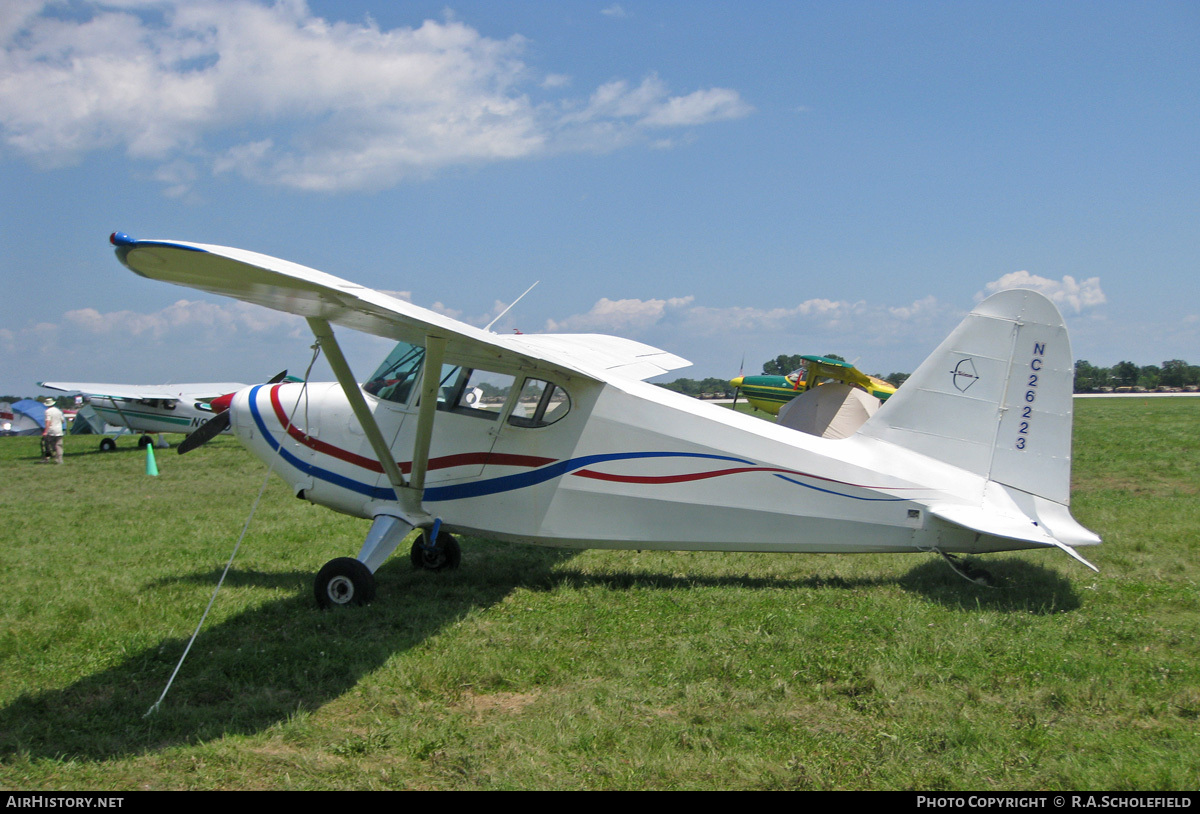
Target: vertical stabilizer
994, 399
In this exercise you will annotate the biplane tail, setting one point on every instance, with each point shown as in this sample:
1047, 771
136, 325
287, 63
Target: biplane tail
995, 399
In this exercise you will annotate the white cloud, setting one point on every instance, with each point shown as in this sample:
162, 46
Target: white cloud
184, 318
619, 316
919, 308
867, 321
1067, 294
651, 105
284, 97
701, 107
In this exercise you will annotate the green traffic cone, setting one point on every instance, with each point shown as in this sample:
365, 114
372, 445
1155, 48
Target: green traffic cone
151, 466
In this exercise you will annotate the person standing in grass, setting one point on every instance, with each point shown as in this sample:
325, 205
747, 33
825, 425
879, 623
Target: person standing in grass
52, 435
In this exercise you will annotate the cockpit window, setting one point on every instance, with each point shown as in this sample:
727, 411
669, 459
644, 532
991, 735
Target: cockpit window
400, 372
540, 404
468, 391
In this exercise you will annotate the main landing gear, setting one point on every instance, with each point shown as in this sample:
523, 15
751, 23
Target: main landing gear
344, 581
351, 580
444, 555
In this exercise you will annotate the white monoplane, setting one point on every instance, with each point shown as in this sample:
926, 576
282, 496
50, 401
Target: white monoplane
149, 408
556, 439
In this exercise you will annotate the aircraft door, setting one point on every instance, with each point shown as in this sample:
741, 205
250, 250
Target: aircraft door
470, 404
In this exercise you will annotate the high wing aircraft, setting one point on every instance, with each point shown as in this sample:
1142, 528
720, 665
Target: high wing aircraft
575, 449
154, 408
770, 393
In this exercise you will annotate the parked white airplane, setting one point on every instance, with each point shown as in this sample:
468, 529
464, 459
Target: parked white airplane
154, 408
972, 454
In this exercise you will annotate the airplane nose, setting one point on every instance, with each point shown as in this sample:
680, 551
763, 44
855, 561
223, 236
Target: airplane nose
221, 403
736, 382
238, 405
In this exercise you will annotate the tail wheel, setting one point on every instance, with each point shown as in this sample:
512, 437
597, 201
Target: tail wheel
444, 555
344, 581
107, 445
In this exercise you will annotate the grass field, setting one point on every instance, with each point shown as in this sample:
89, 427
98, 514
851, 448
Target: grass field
532, 668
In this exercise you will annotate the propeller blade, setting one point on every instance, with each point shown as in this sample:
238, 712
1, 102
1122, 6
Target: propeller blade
207, 431
737, 390
219, 422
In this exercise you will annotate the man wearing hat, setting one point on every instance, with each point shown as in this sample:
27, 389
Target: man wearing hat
52, 435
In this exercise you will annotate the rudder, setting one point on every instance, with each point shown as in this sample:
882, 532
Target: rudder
994, 399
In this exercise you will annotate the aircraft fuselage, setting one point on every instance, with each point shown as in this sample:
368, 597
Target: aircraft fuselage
626, 467
151, 415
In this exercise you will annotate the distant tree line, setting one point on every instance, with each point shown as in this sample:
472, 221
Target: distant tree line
1170, 375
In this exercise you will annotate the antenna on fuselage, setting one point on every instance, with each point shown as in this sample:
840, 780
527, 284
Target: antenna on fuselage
509, 308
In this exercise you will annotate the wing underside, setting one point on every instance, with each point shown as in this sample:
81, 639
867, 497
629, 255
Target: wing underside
306, 292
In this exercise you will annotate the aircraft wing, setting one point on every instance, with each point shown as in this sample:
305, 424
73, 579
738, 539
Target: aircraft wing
623, 357
296, 289
834, 368
189, 392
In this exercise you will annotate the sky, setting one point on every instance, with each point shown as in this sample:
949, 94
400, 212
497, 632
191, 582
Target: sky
728, 181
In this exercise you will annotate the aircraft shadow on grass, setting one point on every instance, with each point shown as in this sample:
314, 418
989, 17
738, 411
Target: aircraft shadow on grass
262, 666
1021, 586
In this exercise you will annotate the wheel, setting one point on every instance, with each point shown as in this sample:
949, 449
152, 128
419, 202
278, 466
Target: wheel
344, 581
445, 555
107, 445
982, 577
144, 441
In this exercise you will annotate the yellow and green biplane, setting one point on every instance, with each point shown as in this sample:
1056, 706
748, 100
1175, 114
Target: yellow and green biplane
770, 393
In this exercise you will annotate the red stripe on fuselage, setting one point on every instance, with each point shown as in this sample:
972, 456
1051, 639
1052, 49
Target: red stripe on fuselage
373, 465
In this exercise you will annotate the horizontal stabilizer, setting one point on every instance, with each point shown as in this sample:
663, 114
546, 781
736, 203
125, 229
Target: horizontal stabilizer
1038, 532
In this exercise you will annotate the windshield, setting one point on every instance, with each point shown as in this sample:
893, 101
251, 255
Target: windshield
394, 379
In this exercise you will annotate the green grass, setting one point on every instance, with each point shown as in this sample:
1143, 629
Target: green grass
533, 668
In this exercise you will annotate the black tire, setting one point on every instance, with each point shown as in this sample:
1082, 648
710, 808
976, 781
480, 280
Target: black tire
445, 555
344, 581
144, 441
107, 445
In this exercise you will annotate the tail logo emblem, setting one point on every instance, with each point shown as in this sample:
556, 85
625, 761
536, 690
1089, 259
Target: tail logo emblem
964, 375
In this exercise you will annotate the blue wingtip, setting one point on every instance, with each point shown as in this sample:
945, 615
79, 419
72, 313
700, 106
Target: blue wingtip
121, 239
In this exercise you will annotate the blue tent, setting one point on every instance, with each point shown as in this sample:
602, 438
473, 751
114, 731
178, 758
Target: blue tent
29, 418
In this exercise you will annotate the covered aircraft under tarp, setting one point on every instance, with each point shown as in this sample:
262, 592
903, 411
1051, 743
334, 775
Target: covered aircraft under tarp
24, 417
88, 422
833, 410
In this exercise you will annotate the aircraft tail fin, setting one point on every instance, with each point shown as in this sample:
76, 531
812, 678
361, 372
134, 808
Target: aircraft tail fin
994, 399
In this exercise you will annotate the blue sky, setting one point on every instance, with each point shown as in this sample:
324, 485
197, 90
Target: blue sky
723, 180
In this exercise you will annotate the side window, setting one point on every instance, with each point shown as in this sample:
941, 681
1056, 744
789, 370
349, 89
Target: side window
476, 392
539, 404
